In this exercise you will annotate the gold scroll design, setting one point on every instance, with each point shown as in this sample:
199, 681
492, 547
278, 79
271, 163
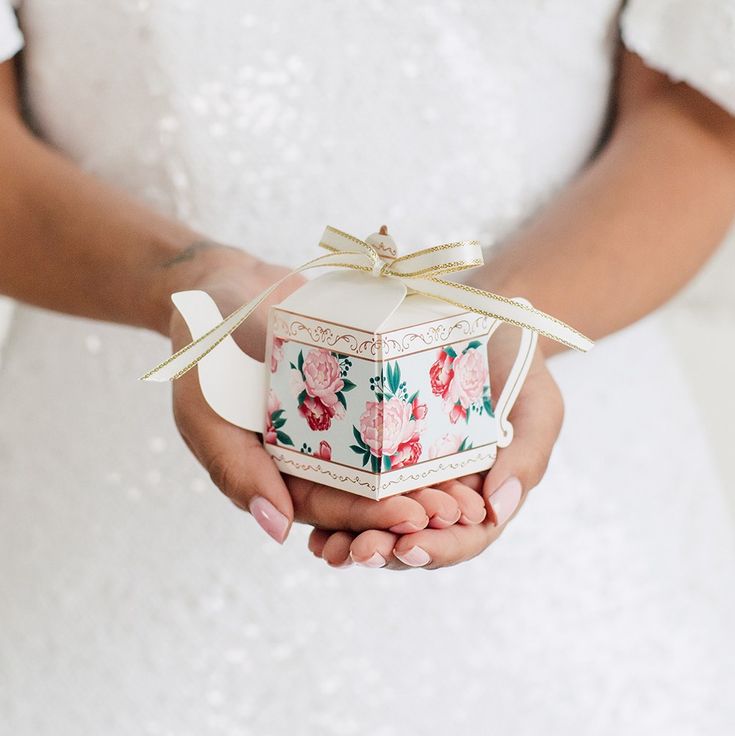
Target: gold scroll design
391, 344
401, 477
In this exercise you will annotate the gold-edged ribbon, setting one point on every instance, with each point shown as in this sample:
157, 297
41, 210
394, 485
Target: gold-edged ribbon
421, 271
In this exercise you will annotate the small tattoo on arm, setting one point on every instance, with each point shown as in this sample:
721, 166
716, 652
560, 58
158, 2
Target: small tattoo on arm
191, 251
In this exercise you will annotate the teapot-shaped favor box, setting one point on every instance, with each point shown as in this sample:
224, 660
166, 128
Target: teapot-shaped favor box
376, 374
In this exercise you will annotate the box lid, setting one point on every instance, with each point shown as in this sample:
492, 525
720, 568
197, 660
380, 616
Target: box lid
365, 302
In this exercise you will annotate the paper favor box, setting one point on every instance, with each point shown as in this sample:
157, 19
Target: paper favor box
375, 391
366, 386
376, 376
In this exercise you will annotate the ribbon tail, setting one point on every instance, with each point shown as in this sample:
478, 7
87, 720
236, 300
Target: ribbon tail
502, 308
186, 358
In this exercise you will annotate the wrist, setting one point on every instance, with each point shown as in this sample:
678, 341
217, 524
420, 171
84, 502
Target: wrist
191, 266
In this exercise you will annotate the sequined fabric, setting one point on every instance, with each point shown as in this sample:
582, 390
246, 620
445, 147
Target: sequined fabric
137, 600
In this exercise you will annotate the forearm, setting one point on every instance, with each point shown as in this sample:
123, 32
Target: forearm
71, 243
636, 225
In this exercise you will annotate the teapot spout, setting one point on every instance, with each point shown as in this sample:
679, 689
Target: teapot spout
233, 383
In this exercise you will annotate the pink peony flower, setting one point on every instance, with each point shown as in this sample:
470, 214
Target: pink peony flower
385, 425
317, 415
273, 404
276, 353
407, 454
418, 410
322, 378
324, 452
441, 374
469, 380
456, 413
447, 444
295, 382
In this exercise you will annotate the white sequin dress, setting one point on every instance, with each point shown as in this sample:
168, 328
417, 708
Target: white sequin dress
135, 600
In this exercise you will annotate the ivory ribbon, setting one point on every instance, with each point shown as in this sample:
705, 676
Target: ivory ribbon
421, 271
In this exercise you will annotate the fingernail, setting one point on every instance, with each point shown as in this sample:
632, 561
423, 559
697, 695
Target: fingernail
415, 557
505, 499
377, 560
468, 520
408, 527
271, 520
448, 522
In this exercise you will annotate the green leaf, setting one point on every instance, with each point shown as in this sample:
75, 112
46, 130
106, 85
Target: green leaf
487, 405
471, 346
278, 423
365, 458
379, 397
394, 377
301, 397
277, 415
375, 463
465, 445
283, 438
341, 399
348, 385
450, 351
292, 365
467, 416
358, 449
301, 362
358, 437
412, 397
386, 462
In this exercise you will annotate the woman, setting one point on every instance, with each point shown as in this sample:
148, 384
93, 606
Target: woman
136, 602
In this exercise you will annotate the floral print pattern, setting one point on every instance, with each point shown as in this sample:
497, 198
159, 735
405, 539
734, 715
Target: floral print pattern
463, 381
419, 407
390, 427
275, 419
319, 381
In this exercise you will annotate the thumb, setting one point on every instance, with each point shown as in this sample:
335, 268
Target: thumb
537, 418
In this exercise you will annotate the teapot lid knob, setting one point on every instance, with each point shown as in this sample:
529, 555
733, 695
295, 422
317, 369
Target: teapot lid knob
383, 244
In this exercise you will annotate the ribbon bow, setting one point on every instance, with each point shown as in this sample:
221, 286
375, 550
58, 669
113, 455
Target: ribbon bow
421, 271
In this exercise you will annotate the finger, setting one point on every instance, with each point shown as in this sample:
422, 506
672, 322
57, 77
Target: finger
537, 419
317, 540
441, 508
373, 548
330, 508
473, 481
235, 460
433, 548
336, 551
471, 504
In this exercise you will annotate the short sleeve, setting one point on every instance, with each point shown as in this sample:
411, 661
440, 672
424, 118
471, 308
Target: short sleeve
11, 39
692, 41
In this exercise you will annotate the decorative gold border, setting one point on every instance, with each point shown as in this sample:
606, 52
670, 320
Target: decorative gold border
355, 480
430, 471
389, 345
380, 484
382, 472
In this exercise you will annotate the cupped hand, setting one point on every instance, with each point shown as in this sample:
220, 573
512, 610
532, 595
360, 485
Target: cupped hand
537, 418
235, 458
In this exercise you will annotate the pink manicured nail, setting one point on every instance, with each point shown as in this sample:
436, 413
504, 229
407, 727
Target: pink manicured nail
271, 520
415, 557
505, 499
377, 560
407, 527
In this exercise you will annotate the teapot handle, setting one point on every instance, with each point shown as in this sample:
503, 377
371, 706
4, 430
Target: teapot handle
515, 380
233, 383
